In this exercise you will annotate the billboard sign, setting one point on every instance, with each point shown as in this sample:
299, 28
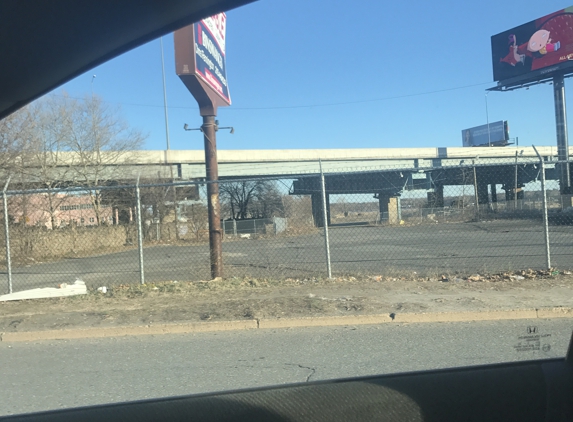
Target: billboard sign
534, 50
210, 53
200, 62
496, 134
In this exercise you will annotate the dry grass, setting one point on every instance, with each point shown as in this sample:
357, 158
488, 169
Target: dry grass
250, 283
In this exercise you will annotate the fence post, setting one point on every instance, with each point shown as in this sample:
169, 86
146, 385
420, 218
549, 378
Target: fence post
545, 219
325, 220
234, 227
7, 234
515, 185
139, 232
476, 198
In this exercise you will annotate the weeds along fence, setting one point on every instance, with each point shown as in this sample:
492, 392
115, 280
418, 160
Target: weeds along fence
455, 218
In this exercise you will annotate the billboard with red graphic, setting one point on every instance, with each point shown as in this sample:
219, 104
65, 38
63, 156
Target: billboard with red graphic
536, 49
210, 53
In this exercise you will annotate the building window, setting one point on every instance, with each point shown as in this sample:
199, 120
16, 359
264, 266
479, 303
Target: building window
82, 221
78, 207
91, 219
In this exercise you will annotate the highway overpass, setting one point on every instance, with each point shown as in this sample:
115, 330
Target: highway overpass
384, 172
190, 164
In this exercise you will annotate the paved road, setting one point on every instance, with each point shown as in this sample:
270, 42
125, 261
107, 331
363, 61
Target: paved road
428, 249
58, 374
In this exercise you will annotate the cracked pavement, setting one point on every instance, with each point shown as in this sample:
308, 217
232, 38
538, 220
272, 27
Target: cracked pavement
312, 370
45, 375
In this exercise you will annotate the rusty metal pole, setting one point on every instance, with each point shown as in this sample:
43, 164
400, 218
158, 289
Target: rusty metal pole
562, 134
212, 172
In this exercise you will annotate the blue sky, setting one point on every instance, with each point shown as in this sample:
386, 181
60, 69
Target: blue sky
363, 74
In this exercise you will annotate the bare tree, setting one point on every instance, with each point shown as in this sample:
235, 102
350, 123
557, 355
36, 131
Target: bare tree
156, 199
44, 163
251, 199
99, 141
463, 200
298, 210
59, 141
238, 196
14, 138
197, 219
268, 202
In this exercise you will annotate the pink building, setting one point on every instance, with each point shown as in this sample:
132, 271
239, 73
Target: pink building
66, 210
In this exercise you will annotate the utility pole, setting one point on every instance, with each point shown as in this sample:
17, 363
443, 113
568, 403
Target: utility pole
200, 64
209, 129
164, 95
175, 214
92, 85
562, 137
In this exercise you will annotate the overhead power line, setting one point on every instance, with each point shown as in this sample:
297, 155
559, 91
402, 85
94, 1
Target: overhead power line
297, 106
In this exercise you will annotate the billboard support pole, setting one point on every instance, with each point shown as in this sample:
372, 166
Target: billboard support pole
487, 120
562, 138
209, 129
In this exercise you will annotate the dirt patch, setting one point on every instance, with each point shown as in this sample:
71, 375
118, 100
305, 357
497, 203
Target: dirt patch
248, 298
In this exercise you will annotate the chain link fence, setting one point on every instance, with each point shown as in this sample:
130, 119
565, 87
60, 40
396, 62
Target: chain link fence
455, 218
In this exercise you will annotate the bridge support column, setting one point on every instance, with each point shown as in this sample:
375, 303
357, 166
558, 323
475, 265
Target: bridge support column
566, 201
317, 213
436, 198
383, 205
520, 197
394, 214
482, 195
494, 196
510, 196
389, 209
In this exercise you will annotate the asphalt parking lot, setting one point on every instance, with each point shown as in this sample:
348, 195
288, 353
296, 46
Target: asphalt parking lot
431, 250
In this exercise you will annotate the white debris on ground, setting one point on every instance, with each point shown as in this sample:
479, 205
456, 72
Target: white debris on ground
64, 289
